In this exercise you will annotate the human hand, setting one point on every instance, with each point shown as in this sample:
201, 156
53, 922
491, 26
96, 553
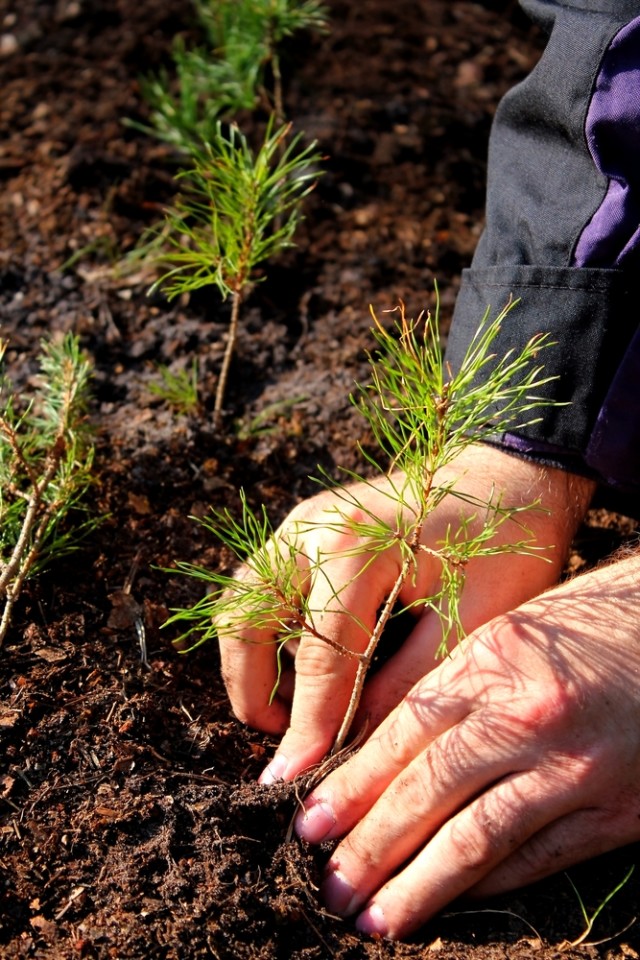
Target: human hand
315, 686
516, 757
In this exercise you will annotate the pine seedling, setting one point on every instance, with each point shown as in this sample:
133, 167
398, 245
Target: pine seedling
180, 390
46, 457
236, 210
208, 89
228, 74
422, 416
240, 31
283, 19
270, 420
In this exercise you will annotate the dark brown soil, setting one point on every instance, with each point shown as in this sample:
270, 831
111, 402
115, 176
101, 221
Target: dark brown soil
130, 823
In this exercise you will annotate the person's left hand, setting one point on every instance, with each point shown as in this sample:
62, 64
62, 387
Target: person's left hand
516, 757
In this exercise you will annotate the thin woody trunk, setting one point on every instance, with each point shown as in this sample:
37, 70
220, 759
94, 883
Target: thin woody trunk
226, 360
364, 659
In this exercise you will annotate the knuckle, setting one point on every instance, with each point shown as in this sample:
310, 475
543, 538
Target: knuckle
248, 717
476, 846
316, 660
582, 773
550, 712
392, 742
308, 510
358, 849
541, 852
259, 715
336, 519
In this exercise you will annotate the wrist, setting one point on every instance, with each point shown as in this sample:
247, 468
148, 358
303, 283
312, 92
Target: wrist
563, 497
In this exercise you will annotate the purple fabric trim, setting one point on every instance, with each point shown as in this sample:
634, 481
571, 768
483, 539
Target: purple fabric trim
521, 445
614, 447
613, 136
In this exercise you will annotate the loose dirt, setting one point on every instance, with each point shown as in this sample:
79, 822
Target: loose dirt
131, 826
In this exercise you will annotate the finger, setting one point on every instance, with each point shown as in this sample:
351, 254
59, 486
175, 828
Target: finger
573, 838
250, 673
342, 621
488, 593
467, 848
441, 780
252, 657
348, 793
474, 676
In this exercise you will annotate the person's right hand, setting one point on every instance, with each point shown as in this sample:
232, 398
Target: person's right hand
352, 585
517, 757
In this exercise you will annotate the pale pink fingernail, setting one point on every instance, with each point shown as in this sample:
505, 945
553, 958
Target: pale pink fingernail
338, 894
275, 771
316, 822
372, 922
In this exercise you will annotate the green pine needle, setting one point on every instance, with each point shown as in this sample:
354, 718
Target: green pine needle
46, 459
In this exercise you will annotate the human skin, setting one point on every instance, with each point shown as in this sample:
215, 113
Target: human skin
486, 770
314, 689
514, 758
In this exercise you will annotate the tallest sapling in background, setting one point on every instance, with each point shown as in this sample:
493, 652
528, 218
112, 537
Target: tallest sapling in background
236, 69
238, 206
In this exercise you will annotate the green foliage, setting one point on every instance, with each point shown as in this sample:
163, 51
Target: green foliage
46, 457
249, 537
227, 75
590, 918
422, 416
206, 90
236, 209
179, 390
229, 22
262, 424
103, 246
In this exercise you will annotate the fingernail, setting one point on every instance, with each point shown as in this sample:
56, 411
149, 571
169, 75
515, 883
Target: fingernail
338, 894
316, 822
372, 922
275, 771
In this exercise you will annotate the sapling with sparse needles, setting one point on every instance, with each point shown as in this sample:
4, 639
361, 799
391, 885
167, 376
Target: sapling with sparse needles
236, 210
422, 416
46, 456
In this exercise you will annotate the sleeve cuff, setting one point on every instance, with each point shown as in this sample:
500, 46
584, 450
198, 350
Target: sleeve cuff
589, 316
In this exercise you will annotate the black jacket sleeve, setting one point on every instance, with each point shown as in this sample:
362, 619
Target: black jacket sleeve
562, 235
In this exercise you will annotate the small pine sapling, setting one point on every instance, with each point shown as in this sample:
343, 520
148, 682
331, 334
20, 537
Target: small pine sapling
253, 31
229, 73
283, 19
422, 416
207, 89
179, 390
46, 456
237, 209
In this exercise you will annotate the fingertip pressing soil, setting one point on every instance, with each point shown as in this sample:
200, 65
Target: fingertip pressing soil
131, 825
